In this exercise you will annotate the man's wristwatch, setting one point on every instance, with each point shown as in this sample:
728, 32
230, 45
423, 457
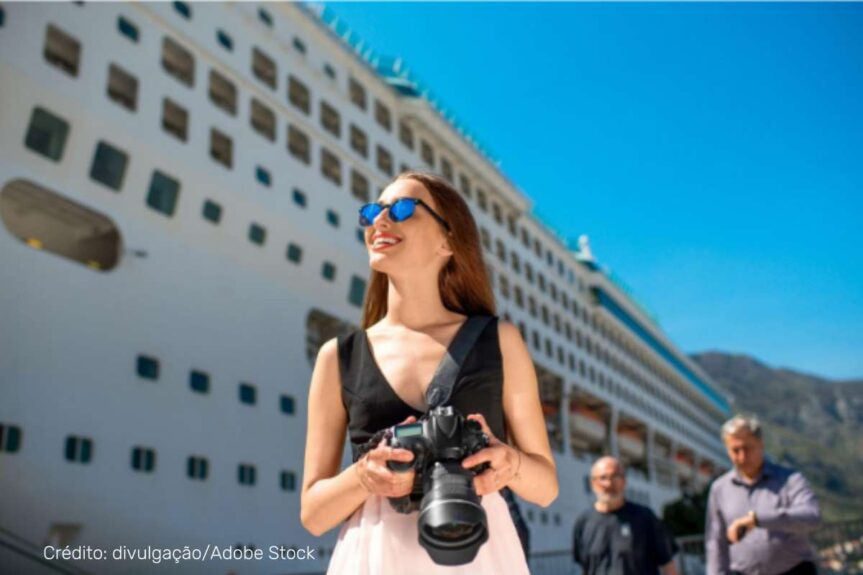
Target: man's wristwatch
753, 517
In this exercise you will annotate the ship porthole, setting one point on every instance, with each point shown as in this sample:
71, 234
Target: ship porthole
47, 221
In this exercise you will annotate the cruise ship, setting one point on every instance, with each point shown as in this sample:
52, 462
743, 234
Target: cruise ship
179, 185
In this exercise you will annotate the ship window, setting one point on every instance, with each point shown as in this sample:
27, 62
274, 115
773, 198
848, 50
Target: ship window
359, 141
385, 160
516, 262
199, 381
197, 468
383, 116
464, 185
175, 119
537, 248
47, 221
406, 135
246, 474
263, 176
300, 198
485, 238
178, 62
212, 211
496, 213
10, 438
225, 40
294, 253
123, 87
525, 238
481, 200
330, 71
148, 367
299, 46
2, 16
143, 459
330, 119
183, 9
221, 148
504, 286
446, 169
288, 481
257, 234
299, 95
265, 17
287, 404
333, 218
47, 134
248, 393
299, 145
357, 291
127, 28
519, 297
223, 93
79, 449
109, 165
541, 280
528, 272
359, 186
501, 251
264, 68
427, 153
263, 120
163, 193
357, 93
510, 223
62, 50
328, 271
331, 166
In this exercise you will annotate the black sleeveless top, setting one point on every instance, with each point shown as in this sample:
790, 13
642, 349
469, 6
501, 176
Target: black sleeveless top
372, 404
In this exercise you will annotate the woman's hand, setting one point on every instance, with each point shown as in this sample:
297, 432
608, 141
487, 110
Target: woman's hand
377, 478
503, 459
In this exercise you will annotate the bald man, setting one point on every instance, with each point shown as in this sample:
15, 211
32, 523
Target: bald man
618, 537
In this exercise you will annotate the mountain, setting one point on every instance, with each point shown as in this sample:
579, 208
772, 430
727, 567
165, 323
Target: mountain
810, 423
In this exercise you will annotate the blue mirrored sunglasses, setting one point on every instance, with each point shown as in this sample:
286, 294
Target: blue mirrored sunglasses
399, 211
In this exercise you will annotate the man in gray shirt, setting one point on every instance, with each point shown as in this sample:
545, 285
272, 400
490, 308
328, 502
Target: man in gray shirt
759, 513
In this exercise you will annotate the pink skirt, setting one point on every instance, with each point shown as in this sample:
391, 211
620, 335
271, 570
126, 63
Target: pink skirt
377, 540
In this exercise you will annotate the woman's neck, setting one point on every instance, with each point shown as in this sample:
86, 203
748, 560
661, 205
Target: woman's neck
415, 303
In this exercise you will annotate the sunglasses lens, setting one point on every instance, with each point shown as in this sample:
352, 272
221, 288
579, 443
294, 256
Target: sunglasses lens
368, 213
402, 210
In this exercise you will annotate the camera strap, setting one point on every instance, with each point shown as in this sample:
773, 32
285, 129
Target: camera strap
442, 384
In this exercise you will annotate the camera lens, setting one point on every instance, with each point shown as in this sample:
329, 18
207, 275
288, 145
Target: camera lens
452, 522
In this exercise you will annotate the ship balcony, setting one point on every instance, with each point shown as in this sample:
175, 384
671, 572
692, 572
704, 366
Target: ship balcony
631, 445
685, 465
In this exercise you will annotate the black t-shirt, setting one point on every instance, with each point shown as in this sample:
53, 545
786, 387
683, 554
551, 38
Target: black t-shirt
628, 541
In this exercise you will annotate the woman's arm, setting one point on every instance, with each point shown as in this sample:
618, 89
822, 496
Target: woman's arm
329, 497
526, 466
536, 478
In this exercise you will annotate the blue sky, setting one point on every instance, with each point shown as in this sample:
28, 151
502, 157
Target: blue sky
712, 152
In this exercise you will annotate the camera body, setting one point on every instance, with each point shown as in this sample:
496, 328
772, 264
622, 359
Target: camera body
452, 522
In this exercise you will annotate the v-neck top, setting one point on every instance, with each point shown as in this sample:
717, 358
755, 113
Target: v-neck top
372, 404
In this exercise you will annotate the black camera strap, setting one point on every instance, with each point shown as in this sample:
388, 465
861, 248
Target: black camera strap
442, 384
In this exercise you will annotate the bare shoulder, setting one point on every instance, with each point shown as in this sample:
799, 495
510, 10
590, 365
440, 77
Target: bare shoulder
326, 368
510, 338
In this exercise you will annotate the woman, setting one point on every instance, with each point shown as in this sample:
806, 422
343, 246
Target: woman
427, 278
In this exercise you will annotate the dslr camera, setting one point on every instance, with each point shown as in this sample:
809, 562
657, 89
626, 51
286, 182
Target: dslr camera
452, 523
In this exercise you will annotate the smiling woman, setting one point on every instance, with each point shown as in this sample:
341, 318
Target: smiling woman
428, 286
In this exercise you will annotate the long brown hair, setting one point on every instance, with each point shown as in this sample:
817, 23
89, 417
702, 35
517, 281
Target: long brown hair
463, 281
